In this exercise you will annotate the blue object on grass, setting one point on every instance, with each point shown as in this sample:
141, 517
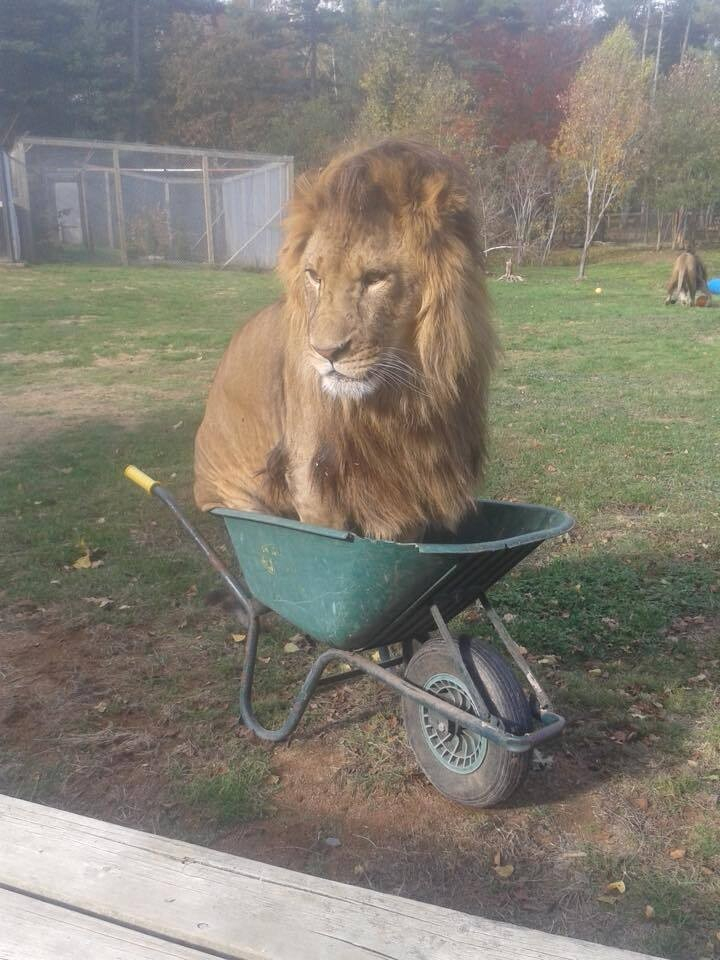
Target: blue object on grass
714, 285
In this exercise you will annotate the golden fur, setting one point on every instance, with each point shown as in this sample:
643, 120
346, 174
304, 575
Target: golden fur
359, 401
689, 278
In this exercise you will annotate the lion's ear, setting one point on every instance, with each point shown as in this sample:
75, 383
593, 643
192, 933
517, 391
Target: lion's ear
439, 197
298, 227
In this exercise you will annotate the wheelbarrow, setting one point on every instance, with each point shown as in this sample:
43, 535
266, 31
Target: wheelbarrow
468, 719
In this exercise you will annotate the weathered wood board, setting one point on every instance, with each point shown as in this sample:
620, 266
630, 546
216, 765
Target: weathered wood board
239, 908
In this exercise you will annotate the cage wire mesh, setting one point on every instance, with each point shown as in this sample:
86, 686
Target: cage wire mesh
133, 203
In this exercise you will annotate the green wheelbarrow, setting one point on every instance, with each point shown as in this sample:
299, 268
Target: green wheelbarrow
469, 721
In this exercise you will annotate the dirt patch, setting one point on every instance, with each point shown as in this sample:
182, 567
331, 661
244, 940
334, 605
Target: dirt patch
47, 357
125, 359
77, 321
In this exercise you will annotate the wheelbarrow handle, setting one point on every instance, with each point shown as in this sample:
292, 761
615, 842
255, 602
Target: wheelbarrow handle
151, 486
140, 478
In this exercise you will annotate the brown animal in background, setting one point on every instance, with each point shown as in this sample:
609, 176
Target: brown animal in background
688, 281
359, 401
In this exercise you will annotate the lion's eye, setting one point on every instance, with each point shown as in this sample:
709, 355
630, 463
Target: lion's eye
373, 277
312, 276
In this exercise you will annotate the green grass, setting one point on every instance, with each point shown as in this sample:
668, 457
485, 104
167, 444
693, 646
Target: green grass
606, 405
235, 794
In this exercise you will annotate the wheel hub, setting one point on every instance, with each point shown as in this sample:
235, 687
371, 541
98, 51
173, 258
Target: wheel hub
456, 748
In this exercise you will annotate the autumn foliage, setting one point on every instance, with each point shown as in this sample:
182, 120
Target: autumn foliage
519, 79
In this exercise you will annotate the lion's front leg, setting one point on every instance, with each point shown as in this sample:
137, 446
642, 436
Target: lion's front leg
314, 507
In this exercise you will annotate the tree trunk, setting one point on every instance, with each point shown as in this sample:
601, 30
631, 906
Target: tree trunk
660, 224
550, 236
679, 228
687, 31
645, 32
658, 52
588, 228
313, 68
583, 261
135, 29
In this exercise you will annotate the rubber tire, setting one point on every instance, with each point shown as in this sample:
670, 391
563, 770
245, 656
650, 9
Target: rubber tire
501, 772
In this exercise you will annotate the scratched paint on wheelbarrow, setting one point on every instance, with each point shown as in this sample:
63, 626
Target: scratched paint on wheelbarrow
345, 590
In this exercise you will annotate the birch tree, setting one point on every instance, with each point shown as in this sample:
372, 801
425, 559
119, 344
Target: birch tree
599, 140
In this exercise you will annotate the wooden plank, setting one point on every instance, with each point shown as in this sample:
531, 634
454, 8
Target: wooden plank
34, 930
240, 908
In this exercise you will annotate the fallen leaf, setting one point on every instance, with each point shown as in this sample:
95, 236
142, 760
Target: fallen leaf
332, 842
291, 648
595, 672
540, 761
101, 707
649, 912
102, 602
497, 859
678, 853
548, 661
176, 426
84, 562
508, 617
264, 659
617, 885
238, 637
641, 803
611, 900
504, 872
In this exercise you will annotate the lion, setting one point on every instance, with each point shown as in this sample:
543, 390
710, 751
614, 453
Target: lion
358, 402
688, 282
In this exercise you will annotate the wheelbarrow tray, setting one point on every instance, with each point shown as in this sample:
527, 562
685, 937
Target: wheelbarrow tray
353, 593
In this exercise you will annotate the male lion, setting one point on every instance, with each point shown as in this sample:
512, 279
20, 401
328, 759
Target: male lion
688, 282
358, 402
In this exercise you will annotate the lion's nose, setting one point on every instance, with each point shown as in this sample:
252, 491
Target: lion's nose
332, 351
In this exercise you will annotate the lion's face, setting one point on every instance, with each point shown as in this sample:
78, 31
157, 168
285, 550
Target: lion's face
362, 299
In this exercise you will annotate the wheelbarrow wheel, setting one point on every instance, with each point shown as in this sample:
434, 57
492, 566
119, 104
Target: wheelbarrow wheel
464, 766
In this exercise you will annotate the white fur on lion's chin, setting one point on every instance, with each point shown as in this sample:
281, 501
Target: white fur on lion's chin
352, 389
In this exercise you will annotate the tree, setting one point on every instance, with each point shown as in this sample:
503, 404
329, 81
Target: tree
600, 138
128, 38
683, 144
518, 75
403, 99
44, 74
223, 87
528, 190
313, 26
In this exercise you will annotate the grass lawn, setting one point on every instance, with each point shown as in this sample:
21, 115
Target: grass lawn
119, 683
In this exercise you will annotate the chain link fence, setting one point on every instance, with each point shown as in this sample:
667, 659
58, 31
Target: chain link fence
133, 203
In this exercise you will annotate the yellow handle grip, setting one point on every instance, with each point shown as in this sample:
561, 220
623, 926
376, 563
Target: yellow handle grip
141, 479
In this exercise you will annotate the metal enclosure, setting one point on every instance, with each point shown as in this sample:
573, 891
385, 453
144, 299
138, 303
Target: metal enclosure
134, 203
